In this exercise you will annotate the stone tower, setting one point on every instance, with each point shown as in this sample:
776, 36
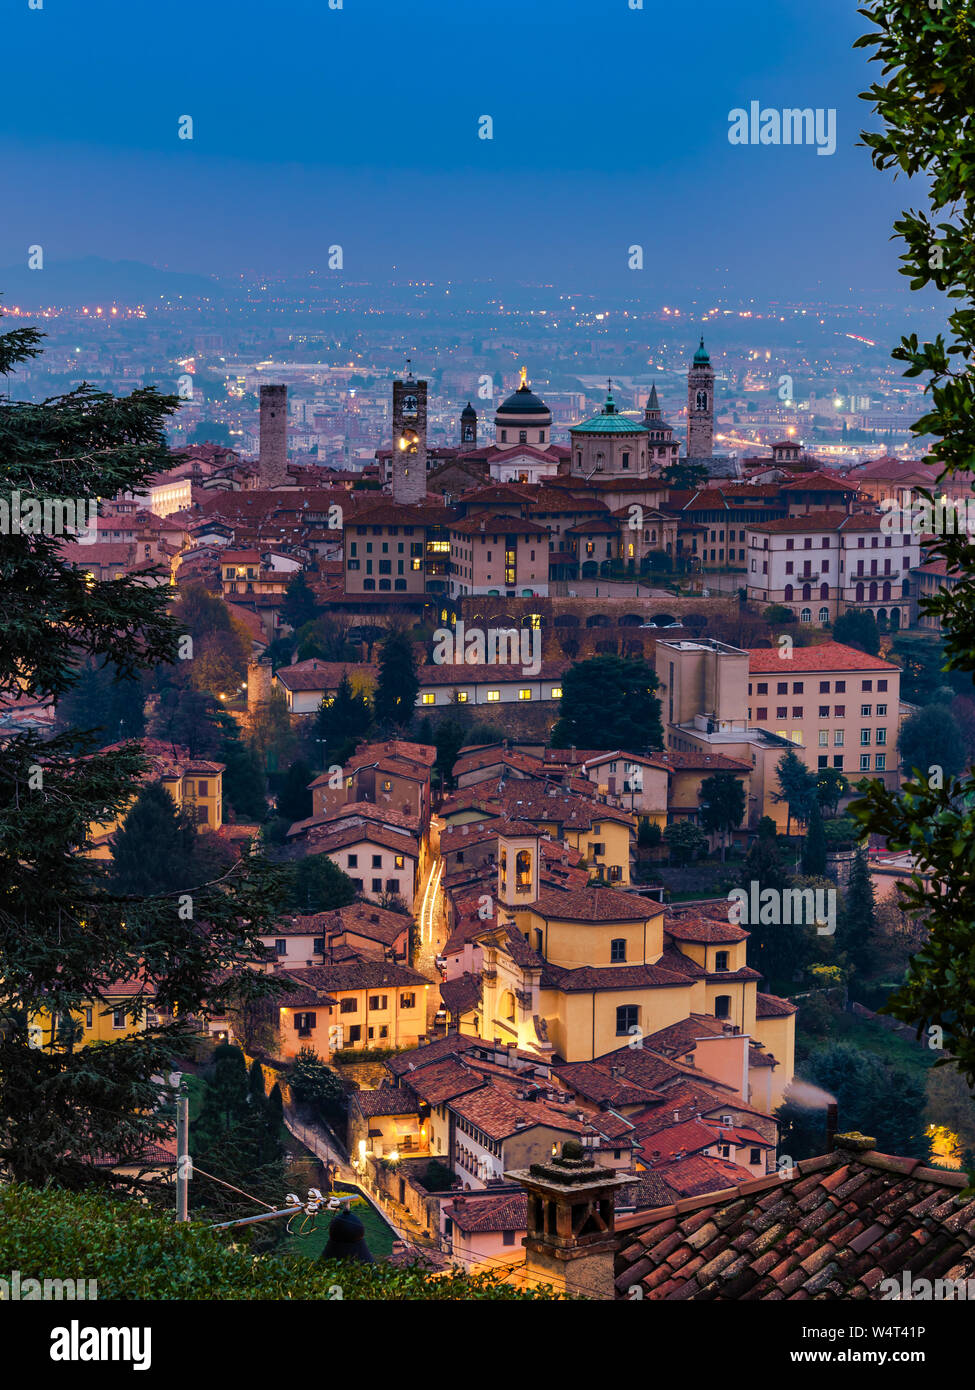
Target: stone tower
259, 676
273, 462
409, 439
468, 427
700, 406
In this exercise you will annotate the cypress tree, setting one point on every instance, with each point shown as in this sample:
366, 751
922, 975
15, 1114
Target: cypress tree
395, 698
64, 933
857, 924
152, 851
814, 845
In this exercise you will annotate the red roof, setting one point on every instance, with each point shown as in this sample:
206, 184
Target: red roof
827, 656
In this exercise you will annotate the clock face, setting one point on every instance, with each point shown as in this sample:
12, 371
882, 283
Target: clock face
409, 405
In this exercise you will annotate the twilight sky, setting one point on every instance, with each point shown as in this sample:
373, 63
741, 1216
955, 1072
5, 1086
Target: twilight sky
359, 126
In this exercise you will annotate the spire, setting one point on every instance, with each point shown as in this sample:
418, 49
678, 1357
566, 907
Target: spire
653, 404
701, 357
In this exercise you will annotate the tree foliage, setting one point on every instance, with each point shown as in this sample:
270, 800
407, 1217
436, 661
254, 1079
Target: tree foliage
343, 723
235, 1139
65, 936
294, 798
399, 685
723, 805
609, 702
857, 628
153, 849
317, 884
685, 840
109, 707
931, 738
300, 605
923, 99
797, 788
141, 1255
882, 1101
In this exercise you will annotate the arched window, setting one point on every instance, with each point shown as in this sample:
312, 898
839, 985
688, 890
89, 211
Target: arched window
805, 615
807, 591
824, 591
824, 615
507, 1006
859, 592
886, 591
523, 871
788, 593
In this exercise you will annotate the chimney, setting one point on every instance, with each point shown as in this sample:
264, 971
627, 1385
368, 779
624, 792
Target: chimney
832, 1124
571, 1222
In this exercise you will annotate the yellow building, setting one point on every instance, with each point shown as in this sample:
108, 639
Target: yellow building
585, 972
102, 1020
195, 784
604, 835
357, 1004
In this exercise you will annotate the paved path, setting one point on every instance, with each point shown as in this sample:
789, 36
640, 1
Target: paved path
316, 1139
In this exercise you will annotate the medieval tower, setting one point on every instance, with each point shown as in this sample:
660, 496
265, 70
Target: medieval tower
273, 461
700, 406
409, 439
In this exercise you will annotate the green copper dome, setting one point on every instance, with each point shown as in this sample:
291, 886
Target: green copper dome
701, 358
608, 421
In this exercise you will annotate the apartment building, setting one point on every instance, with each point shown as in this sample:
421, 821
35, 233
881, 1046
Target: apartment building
499, 555
839, 707
397, 549
822, 563
704, 689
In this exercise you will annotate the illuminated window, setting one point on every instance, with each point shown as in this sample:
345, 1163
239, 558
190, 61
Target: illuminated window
493, 696
556, 692
526, 695
429, 697
461, 697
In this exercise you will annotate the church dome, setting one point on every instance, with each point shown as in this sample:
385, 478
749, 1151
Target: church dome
468, 413
701, 357
523, 403
609, 421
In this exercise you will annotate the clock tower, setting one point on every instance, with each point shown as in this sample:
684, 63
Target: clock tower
409, 439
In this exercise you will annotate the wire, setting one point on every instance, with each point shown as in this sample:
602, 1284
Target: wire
230, 1186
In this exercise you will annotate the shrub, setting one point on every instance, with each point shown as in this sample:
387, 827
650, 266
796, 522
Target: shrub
135, 1254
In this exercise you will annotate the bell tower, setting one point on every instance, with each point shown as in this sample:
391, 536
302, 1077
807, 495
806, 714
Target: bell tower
409, 439
517, 867
700, 406
468, 427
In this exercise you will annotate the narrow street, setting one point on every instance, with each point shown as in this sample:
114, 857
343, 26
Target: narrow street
431, 932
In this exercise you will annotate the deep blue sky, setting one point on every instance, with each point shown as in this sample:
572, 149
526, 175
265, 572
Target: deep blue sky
358, 126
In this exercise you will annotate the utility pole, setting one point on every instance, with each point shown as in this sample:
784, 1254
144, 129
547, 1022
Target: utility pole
183, 1160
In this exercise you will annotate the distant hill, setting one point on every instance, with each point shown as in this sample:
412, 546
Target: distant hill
93, 280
